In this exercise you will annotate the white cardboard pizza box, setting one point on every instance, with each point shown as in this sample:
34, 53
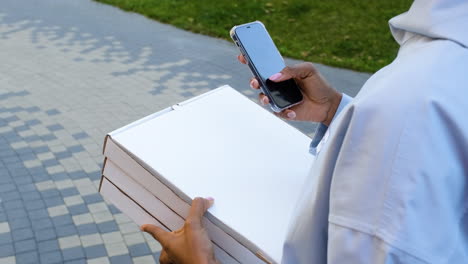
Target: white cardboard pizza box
129, 194
221, 145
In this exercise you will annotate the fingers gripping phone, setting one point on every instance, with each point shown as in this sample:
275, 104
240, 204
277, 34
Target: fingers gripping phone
264, 60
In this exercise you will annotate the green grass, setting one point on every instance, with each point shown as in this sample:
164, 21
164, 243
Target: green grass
351, 34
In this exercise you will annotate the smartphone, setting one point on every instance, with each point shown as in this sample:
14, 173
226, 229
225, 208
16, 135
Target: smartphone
264, 60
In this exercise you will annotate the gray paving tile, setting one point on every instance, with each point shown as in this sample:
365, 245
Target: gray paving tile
27, 156
25, 245
32, 109
95, 175
139, 250
69, 191
13, 204
114, 210
80, 135
92, 198
59, 176
116, 249
144, 260
40, 149
24, 188
7, 187
87, 229
78, 209
63, 154
54, 201
7, 153
107, 227
37, 170
76, 261
37, 214
73, 253
29, 257
6, 250
42, 223
11, 195
95, 251
121, 259
62, 220
67, 230
22, 234
77, 175
23, 179
75, 149
32, 122
45, 234
5, 177
5, 238
32, 138
69, 242
13, 161
48, 245
51, 257
83, 219
16, 213
34, 203
52, 112
55, 127
50, 194
50, 163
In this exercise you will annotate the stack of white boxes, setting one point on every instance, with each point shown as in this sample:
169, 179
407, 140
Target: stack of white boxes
221, 145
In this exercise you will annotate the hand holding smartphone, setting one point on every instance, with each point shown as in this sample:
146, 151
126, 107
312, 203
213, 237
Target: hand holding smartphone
264, 60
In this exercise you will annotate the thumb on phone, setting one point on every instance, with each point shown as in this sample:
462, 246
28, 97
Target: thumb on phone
298, 71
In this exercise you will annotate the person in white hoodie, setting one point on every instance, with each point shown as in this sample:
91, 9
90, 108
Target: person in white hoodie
390, 181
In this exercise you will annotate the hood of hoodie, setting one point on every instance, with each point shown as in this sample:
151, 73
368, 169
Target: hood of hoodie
440, 19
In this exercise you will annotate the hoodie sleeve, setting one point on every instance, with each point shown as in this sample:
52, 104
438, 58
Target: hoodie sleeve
322, 129
350, 246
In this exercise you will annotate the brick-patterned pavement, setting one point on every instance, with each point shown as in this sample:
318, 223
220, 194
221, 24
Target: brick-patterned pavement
71, 71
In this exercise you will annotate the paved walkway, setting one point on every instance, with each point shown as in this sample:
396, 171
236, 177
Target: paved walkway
70, 72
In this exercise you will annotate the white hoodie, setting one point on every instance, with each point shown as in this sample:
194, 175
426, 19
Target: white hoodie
390, 183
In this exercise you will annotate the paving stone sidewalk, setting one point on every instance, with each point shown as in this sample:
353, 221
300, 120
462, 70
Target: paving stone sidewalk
70, 72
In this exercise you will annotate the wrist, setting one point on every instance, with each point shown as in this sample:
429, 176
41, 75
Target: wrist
334, 104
